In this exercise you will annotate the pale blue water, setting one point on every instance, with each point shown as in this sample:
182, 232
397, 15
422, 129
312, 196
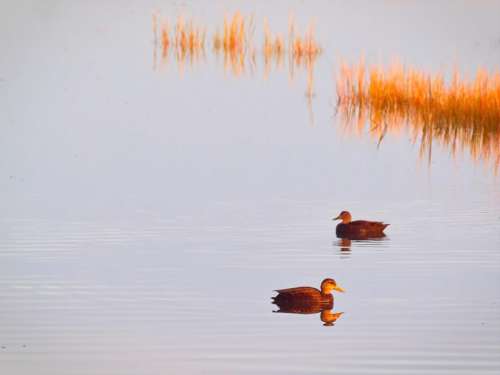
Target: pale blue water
147, 217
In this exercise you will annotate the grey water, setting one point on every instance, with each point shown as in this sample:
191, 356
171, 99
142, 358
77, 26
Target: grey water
148, 212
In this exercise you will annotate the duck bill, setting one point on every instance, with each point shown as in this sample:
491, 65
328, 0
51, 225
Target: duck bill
336, 218
339, 289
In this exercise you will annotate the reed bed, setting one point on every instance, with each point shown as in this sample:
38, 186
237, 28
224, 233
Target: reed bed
459, 113
236, 34
303, 47
189, 39
303, 52
185, 39
235, 43
273, 49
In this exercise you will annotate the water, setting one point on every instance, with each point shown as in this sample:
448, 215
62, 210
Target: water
147, 215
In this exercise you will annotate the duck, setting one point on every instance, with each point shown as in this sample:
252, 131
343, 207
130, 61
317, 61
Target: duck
306, 299
358, 229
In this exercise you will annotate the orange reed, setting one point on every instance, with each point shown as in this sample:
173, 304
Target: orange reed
235, 43
186, 40
458, 113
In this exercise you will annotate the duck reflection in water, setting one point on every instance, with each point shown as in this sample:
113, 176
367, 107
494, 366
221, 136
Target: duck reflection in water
309, 300
345, 243
358, 229
329, 317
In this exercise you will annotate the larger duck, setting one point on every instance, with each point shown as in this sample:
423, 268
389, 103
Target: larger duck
358, 229
306, 299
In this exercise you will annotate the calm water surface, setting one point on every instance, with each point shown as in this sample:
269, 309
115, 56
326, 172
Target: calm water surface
147, 215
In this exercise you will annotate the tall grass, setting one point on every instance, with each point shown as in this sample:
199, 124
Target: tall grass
302, 47
185, 39
303, 51
273, 49
235, 42
459, 113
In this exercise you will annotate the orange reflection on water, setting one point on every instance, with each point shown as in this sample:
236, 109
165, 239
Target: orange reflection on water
185, 40
302, 51
329, 317
273, 49
235, 43
462, 115
326, 313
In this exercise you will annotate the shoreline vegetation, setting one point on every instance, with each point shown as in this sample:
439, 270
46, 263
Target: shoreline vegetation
188, 42
459, 113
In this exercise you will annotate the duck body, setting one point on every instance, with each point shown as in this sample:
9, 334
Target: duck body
361, 229
358, 229
306, 299
303, 300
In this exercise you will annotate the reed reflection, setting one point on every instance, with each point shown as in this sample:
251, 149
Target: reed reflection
302, 52
461, 115
185, 40
234, 43
309, 300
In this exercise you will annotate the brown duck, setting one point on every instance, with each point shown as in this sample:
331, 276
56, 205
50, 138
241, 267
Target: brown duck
358, 229
307, 300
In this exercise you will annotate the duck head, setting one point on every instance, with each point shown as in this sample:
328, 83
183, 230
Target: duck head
329, 285
345, 216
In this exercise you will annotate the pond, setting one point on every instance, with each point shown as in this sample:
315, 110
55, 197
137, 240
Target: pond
155, 196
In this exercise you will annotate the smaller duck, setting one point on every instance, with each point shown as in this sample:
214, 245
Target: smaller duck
307, 299
358, 229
